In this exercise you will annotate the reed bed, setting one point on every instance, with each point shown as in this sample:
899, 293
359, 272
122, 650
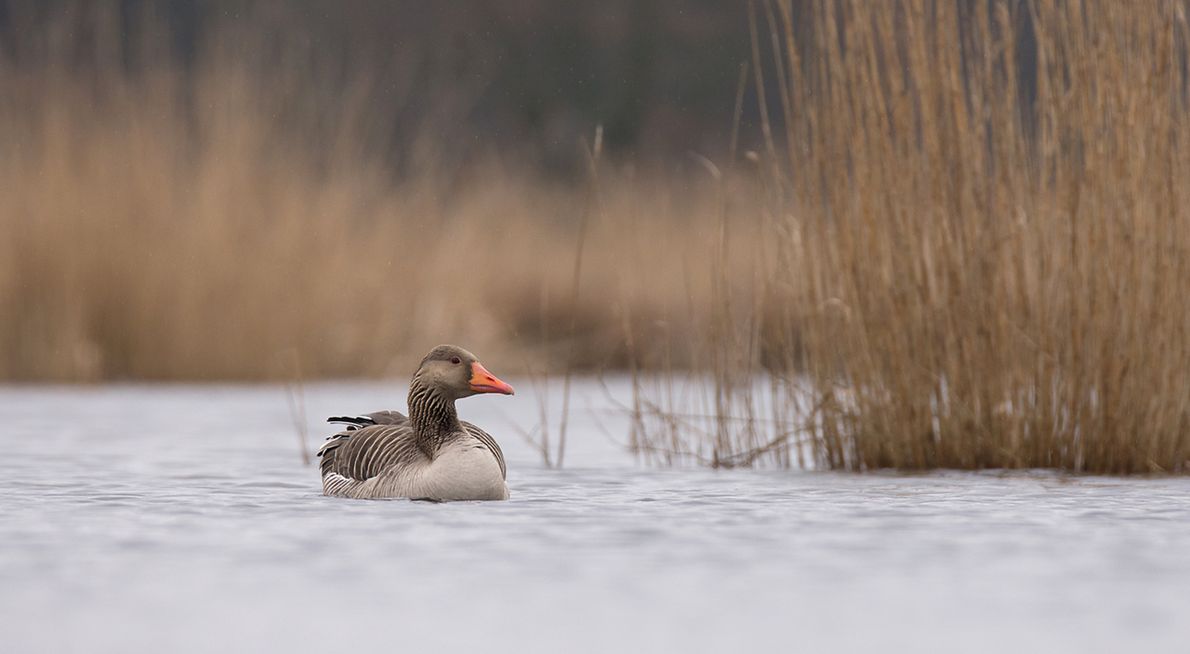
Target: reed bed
128, 255
962, 244
982, 229
235, 221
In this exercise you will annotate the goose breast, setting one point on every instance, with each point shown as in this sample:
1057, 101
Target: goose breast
464, 469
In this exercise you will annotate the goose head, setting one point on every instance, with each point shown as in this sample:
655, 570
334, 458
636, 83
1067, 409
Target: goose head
456, 373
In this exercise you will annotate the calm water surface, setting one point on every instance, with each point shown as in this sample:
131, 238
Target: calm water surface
180, 519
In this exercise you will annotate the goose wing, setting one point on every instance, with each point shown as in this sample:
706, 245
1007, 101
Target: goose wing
374, 442
362, 452
488, 442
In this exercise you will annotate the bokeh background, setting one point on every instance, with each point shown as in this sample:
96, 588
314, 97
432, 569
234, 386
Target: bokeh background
239, 190
944, 233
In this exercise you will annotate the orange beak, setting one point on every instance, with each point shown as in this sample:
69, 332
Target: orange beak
483, 381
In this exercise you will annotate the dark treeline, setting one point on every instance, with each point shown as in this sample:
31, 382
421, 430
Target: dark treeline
530, 77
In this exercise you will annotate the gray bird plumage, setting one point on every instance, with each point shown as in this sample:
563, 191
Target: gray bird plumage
429, 454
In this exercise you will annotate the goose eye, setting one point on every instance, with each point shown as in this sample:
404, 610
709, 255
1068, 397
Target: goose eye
456, 360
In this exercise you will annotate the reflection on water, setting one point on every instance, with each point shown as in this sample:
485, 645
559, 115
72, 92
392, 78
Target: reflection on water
149, 519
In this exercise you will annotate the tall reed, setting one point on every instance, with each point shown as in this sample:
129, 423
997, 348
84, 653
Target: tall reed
982, 236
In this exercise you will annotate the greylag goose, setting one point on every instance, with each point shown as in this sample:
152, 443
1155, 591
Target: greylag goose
429, 455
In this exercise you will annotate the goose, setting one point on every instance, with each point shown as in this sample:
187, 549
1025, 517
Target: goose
429, 455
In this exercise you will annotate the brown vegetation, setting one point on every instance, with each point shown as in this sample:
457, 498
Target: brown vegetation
231, 222
984, 244
965, 245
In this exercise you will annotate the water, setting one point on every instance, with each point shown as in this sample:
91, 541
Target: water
179, 519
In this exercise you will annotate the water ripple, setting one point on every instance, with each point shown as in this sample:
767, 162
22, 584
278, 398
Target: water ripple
189, 524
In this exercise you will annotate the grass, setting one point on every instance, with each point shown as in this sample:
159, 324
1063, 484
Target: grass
964, 243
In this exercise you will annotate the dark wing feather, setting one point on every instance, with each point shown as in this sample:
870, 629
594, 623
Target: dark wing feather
490, 443
363, 452
368, 419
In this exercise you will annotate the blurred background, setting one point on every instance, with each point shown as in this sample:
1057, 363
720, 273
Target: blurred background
243, 190
945, 233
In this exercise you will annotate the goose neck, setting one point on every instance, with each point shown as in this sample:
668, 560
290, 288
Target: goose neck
432, 416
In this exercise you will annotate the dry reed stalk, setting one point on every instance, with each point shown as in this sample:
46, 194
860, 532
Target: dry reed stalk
295, 396
590, 207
